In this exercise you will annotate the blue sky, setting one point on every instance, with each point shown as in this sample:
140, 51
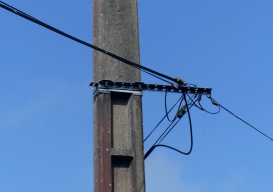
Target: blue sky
46, 103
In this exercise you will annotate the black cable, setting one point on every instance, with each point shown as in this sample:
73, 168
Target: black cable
161, 120
152, 74
189, 116
189, 152
209, 111
154, 145
168, 131
184, 153
160, 145
195, 102
168, 128
201, 107
17, 10
30, 18
173, 126
216, 103
167, 114
165, 131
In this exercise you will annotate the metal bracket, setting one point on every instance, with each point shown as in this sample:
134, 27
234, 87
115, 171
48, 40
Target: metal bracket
107, 86
136, 88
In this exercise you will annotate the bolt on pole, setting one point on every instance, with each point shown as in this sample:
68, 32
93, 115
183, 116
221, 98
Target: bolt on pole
118, 130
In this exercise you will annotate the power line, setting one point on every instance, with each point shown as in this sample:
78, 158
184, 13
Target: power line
168, 130
217, 104
191, 104
163, 135
167, 114
132, 64
201, 107
162, 120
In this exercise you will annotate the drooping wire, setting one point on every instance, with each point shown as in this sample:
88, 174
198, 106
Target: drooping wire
209, 111
217, 104
166, 131
189, 116
163, 134
156, 144
191, 104
167, 114
162, 120
201, 107
30, 18
162, 145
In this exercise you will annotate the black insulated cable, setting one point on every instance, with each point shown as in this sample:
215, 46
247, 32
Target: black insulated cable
216, 103
161, 120
167, 114
191, 133
174, 125
165, 131
198, 99
30, 18
164, 134
162, 145
202, 108
152, 74
17, 10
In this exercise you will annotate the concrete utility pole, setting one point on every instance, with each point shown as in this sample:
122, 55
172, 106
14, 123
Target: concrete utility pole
118, 133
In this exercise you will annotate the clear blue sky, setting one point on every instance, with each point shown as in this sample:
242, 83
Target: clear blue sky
46, 103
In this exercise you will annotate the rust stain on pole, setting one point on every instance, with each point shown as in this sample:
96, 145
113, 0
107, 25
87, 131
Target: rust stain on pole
118, 134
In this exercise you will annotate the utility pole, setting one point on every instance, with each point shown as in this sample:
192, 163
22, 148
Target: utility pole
118, 131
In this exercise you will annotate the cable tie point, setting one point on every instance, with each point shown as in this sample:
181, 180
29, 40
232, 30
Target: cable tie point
214, 102
181, 112
179, 80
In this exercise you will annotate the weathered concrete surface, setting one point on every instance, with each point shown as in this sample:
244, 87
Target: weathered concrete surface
115, 29
118, 136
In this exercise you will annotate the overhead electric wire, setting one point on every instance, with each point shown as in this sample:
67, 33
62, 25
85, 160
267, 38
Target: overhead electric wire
165, 131
30, 18
208, 111
168, 128
167, 114
152, 74
161, 120
195, 101
17, 10
201, 107
190, 150
191, 104
191, 134
154, 145
216, 103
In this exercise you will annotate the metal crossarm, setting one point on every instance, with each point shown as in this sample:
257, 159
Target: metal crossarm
106, 86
